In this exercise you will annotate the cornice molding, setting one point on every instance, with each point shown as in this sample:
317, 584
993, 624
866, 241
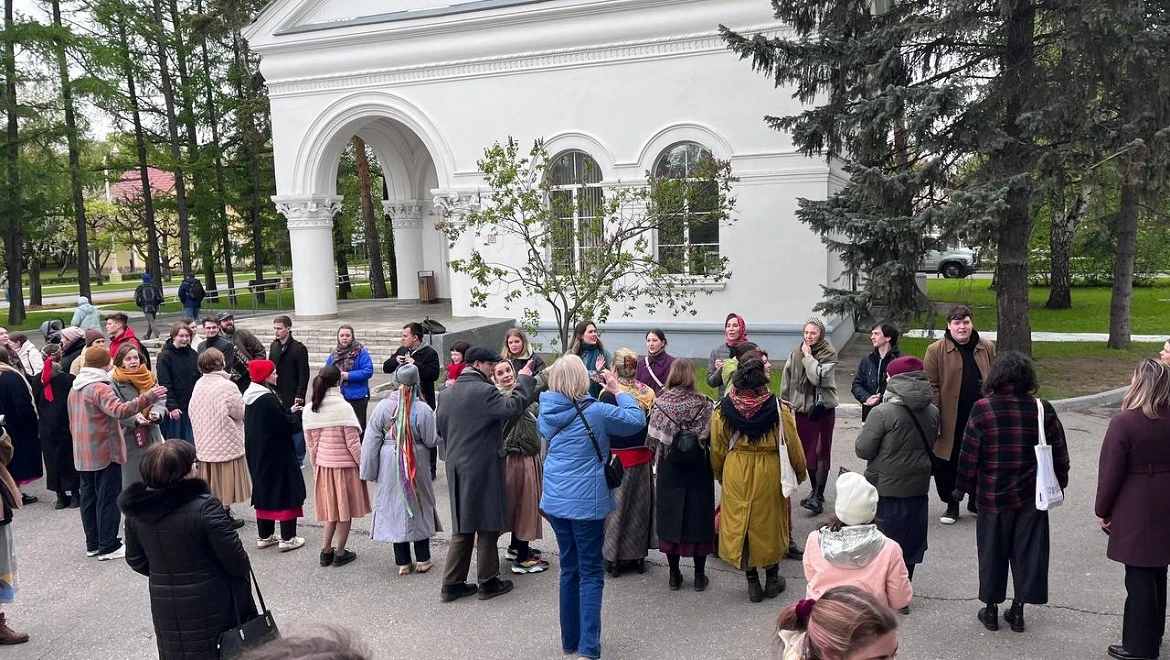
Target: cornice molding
404, 214
560, 58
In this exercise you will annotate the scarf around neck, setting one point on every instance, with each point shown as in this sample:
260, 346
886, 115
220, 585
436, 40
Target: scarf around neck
345, 356
140, 378
822, 351
335, 411
752, 413
639, 391
676, 409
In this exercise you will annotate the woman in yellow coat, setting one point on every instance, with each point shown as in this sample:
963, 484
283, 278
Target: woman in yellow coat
745, 445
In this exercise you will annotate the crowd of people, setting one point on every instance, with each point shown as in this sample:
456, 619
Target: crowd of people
619, 452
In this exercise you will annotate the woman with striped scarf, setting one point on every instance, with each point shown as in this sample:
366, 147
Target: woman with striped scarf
394, 454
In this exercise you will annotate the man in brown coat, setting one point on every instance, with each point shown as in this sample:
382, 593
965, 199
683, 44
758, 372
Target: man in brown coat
956, 366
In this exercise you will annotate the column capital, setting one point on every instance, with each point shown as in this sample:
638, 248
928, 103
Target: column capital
404, 213
305, 211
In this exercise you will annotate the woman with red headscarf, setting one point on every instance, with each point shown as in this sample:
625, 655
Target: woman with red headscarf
278, 487
734, 333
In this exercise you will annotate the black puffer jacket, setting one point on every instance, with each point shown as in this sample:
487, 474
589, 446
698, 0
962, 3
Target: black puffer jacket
181, 538
871, 377
178, 369
898, 465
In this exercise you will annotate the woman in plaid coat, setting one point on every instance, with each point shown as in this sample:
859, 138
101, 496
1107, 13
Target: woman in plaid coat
997, 466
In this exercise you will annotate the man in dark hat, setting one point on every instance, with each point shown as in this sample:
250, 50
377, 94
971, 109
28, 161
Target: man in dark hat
245, 341
471, 423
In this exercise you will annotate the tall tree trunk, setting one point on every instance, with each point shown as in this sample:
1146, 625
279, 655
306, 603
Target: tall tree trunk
341, 246
1125, 233
221, 224
1061, 230
168, 91
251, 154
1015, 329
373, 245
391, 258
83, 277
153, 258
36, 293
13, 236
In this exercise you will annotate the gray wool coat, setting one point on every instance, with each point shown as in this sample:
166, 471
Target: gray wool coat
130, 473
391, 521
471, 422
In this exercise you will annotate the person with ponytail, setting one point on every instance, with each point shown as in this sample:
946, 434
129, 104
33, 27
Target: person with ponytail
846, 623
396, 455
333, 438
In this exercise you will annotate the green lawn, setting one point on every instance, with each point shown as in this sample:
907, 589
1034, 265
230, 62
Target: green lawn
1089, 313
701, 373
129, 284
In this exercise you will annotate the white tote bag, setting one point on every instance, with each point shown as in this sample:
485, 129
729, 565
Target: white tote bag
1048, 492
788, 480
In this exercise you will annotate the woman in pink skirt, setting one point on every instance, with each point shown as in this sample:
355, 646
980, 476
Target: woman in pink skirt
333, 437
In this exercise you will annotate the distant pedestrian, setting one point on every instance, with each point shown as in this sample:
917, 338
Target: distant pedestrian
356, 367
86, 317
457, 363
148, 296
95, 415
997, 467
1133, 505
654, 367
518, 352
278, 487
292, 367
119, 331
734, 333
333, 436
524, 475
956, 365
850, 549
217, 423
132, 379
56, 438
426, 359
745, 457
31, 360
394, 454
846, 623
810, 385
178, 371
10, 497
587, 345
471, 423
685, 497
895, 442
18, 405
180, 536
191, 294
870, 381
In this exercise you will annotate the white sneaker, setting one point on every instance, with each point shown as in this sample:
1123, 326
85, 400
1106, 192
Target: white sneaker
267, 543
291, 544
91, 553
117, 554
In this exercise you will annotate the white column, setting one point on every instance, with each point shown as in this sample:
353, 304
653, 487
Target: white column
406, 217
310, 232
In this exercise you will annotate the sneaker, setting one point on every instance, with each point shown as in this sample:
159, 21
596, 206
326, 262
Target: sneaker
951, 516
511, 554
530, 565
91, 553
292, 544
344, 557
117, 554
494, 587
267, 543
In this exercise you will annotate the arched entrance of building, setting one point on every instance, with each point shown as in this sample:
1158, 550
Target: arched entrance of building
414, 160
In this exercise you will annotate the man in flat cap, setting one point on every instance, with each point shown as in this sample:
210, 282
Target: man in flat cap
471, 422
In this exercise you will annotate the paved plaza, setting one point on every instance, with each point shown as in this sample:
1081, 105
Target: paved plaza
79, 608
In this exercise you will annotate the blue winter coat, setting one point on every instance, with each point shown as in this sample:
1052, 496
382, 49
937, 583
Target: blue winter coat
574, 479
357, 386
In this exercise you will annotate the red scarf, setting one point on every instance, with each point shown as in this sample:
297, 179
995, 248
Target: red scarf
46, 376
742, 332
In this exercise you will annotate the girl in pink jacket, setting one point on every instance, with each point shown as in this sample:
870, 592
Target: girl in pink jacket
851, 550
334, 440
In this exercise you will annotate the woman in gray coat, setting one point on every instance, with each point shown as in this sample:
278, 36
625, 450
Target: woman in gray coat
894, 442
132, 378
395, 453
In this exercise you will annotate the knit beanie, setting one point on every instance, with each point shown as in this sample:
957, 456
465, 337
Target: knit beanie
97, 357
904, 365
92, 335
71, 334
260, 370
406, 374
857, 499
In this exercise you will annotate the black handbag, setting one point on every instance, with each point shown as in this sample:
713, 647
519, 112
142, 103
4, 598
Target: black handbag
614, 470
818, 409
250, 634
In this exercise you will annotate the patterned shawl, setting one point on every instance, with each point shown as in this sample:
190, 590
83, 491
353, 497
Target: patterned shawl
678, 408
752, 413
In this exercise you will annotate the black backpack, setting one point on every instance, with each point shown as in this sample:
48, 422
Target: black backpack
685, 446
196, 291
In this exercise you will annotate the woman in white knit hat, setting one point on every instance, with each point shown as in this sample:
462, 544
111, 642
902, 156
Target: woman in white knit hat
850, 549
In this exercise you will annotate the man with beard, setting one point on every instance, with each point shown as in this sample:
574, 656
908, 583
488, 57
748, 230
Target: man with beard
236, 368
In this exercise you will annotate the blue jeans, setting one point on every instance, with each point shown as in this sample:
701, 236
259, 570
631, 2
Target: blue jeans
299, 443
99, 508
178, 428
192, 311
582, 579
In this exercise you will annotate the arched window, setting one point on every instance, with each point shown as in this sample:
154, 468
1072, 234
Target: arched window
688, 241
576, 203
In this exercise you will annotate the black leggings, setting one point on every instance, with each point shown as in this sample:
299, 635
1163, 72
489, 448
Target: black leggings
422, 552
700, 563
266, 528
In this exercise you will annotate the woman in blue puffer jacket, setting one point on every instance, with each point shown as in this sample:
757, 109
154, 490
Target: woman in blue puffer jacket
576, 499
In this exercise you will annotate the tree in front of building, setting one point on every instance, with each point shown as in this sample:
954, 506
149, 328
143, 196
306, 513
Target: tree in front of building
553, 239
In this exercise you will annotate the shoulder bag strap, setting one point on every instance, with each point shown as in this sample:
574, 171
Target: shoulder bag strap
652, 375
1040, 421
921, 433
256, 584
589, 430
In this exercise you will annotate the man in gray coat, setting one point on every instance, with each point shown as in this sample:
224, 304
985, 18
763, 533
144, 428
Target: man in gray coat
471, 422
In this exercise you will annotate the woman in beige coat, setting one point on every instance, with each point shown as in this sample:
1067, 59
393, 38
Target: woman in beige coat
217, 421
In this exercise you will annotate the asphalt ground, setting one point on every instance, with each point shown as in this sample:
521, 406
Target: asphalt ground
79, 608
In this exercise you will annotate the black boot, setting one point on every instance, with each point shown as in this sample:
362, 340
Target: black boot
773, 583
755, 591
794, 551
989, 617
675, 579
812, 483
62, 501
816, 503
1015, 616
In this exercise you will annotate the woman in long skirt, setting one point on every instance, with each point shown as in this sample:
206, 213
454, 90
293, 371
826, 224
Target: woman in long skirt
20, 413
686, 488
524, 476
629, 528
216, 411
395, 454
56, 437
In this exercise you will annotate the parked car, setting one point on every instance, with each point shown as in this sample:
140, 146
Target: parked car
951, 263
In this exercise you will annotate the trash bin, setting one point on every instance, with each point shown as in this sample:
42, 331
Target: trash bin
426, 286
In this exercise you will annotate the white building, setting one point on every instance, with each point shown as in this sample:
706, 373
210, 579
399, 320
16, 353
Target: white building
428, 84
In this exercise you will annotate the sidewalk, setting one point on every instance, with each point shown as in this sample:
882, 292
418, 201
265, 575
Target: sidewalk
1070, 337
